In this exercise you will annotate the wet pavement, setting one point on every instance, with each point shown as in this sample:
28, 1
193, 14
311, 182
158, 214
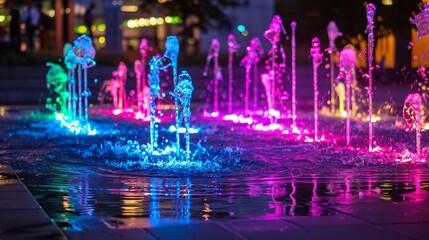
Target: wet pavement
362, 217
21, 216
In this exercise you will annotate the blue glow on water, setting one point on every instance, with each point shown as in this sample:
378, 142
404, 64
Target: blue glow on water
75, 126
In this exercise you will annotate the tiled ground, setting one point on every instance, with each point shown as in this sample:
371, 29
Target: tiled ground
367, 218
363, 219
20, 215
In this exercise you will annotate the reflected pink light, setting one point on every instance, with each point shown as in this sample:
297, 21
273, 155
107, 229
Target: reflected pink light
116, 111
238, 119
270, 127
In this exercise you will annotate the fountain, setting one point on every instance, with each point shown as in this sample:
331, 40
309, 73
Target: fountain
293, 45
56, 82
232, 48
333, 33
256, 46
370, 12
254, 53
347, 65
120, 76
159, 187
275, 70
156, 64
217, 72
84, 51
413, 115
317, 60
71, 84
71, 106
421, 22
138, 71
154, 93
141, 81
183, 92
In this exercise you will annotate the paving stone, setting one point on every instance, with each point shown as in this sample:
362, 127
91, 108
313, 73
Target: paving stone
259, 225
14, 195
358, 232
262, 229
422, 206
384, 213
205, 230
109, 234
325, 221
21, 216
23, 219
39, 235
8, 204
418, 231
13, 186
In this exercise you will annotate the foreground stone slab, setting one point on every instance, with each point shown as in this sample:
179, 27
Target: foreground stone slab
204, 230
21, 216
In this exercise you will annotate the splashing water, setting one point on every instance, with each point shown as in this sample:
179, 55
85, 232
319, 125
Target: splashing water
421, 21
85, 54
317, 60
333, 33
183, 92
56, 82
71, 61
217, 72
248, 62
413, 116
139, 72
120, 76
232, 48
370, 12
266, 82
156, 64
142, 82
275, 70
293, 43
347, 65
71, 108
70, 82
254, 53
154, 93
256, 46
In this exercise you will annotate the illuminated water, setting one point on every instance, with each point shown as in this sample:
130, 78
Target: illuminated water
248, 174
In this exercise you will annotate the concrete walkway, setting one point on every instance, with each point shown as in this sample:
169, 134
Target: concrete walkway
364, 217
21, 217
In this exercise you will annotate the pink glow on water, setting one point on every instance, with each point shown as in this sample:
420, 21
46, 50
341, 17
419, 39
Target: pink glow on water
238, 119
268, 128
413, 116
211, 114
116, 112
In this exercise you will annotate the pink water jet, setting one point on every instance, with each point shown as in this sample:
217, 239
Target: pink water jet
370, 12
413, 116
217, 72
232, 48
333, 33
317, 60
347, 65
275, 69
